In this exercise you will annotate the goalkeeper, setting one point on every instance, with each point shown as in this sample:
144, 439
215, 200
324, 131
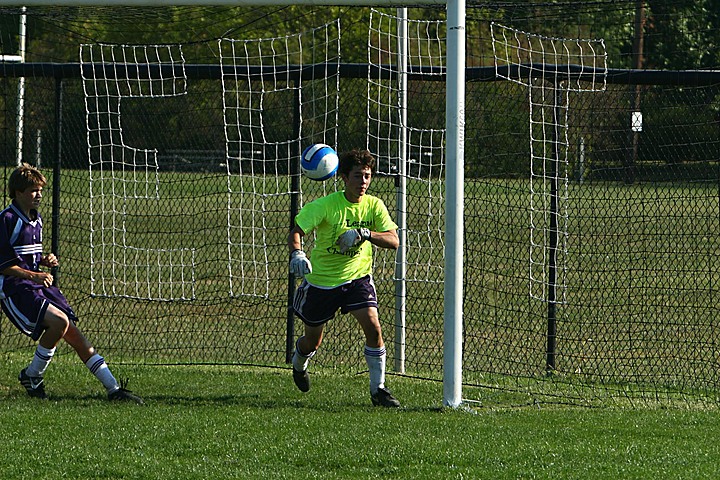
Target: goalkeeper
339, 273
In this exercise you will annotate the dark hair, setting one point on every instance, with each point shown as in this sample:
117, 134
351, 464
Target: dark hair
354, 157
23, 177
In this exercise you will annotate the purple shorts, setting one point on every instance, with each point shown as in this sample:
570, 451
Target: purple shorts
317, 306
26, 309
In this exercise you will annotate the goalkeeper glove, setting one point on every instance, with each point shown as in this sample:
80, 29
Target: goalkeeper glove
299, 264
352, 238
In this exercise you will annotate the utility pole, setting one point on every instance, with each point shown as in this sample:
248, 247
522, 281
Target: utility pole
636, 115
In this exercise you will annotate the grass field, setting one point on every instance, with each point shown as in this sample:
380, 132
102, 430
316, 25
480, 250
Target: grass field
207, 422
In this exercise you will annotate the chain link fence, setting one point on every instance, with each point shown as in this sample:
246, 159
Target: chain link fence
639, 266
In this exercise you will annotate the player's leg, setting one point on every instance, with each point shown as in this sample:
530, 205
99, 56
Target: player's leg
374, 346
305, 348
361, 302
97, 365
55, 324
315, 307
92, 360
22, 309
375, 356
310, 341
59, 322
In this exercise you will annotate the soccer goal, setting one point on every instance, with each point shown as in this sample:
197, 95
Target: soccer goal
530, 268
126, 185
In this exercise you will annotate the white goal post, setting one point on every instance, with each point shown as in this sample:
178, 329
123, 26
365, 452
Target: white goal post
454, 202
238, 3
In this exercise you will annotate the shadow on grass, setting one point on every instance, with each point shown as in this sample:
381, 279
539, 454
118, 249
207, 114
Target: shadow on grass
243, 400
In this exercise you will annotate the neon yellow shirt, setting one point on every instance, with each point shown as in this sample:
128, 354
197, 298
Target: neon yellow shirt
331, 216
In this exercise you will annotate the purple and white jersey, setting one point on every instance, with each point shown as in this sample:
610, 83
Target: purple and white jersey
21, 245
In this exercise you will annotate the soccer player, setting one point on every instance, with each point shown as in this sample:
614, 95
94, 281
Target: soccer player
338, 274
27, 295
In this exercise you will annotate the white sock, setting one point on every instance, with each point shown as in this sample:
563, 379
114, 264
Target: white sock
97, 366
40, 361
300, 360
375, 358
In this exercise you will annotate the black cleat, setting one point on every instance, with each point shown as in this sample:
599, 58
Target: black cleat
383, 398
301, 379
35, 386
122, 394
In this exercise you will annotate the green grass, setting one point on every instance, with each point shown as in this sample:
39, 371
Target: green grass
203, 422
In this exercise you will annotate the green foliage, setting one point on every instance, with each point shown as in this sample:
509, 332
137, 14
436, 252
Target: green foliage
678, 34
683, 34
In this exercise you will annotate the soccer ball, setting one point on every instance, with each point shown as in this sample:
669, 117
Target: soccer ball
319, 162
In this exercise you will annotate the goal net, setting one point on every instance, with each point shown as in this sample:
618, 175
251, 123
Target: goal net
124, 179
550, 68
409, 146
260, 77
171, 138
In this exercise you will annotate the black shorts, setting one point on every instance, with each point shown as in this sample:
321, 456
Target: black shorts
316, 306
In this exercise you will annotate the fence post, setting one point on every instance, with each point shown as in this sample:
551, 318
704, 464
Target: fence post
55, 231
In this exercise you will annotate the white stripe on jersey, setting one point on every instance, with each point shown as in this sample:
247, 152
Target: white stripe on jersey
16, 230
28, 249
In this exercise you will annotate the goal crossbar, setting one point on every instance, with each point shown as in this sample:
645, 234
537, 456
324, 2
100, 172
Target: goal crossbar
239, 3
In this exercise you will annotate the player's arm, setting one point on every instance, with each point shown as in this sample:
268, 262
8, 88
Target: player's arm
9, 265
41, 278
299, 263
295, 239
387, 239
